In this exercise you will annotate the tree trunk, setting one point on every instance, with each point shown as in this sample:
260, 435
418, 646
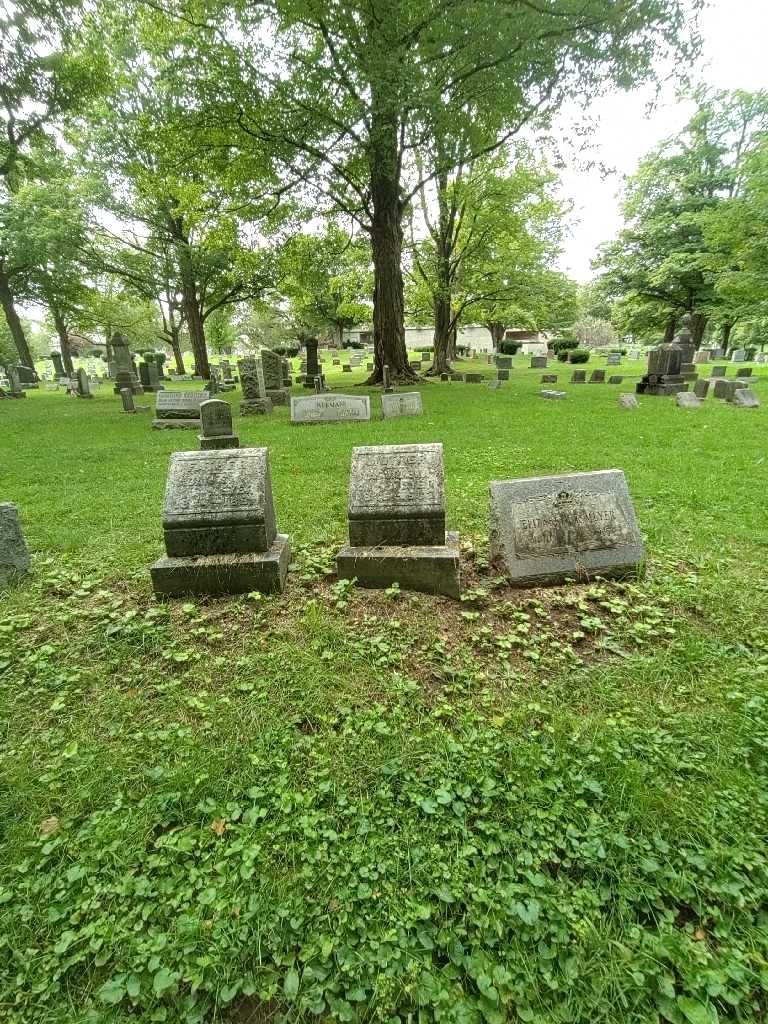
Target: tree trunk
698, 327
190, 302
61, 331
12, 319
669, 331
452, 342
444, 334
497, 331
725, 337
176, 349
387, 245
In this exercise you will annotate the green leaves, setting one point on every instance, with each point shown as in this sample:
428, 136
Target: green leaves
696, 1012
291, 984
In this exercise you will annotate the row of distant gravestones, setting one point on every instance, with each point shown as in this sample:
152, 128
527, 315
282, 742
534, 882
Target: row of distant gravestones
221, 533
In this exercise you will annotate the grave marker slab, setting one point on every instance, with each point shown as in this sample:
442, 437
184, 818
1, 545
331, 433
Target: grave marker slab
407, 403
83, 384
219, 526
579, 377
330, 408
179, 410
14, 555
745, 397
538, 362
719, 371
628, 402
545, 530
546, 393
549, 378
216, 423
502, 374
745, 371
397, 521
253, 385
615, 380
738, 355
687, 400
597, 377
701, 388
473, 378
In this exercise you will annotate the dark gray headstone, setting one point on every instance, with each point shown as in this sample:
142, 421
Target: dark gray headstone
14, 555
216, 426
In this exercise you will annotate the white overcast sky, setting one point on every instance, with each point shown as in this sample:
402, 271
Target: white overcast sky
735, 56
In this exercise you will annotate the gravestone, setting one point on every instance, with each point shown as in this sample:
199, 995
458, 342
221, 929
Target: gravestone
579, 377
553, 395
504, 362
502, 374
635, 354
330, 409
369, 367
701, 388
405, 403
386, 380
457, 376
719, 371
628, 402
597, 377
549, 378
216, 423
179, 410
397, 521
614, 359
14, 554
347, 368
746, 371
538, 362
738, 355
124, 373
726, 388
615, 380
744, 397
493, 385
445, 377
335, 362
701, 357
219, 526
546, 530
687, 400
473, 378
255, 401
718, 353
272, 365
127, 396
664, 375
83, 384
14, 383
312, 367
58, 365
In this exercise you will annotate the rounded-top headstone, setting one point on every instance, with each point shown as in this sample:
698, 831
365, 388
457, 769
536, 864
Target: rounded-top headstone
14, 555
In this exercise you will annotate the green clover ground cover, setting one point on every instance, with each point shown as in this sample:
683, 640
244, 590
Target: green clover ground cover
334, 804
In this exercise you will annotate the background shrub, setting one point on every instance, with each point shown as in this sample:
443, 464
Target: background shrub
578, 355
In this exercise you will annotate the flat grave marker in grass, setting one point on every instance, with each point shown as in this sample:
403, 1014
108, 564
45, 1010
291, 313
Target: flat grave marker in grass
404, 403
328, 408
547, 530
179, 409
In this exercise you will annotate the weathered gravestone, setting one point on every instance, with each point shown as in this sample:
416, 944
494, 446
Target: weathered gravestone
58, 365
538, 362
628, 402
149, 376
272, 365
14, 383
312, 367
124, 374
127, 397
614, 359
14, 555
546, 530
405, 403
83, 384
738, 355
493, 384
504, 362
386, 380
216, 424
546, 393
687, 400
726, 388
445, 378
255, 401
457, 377
635, 354
179, 410
330, 408
549, 378
397, 521
664, 375
701, 388
615, 380
701, 357
744, 397
502, 374
579, 377
219, 526
597, 377
719, 371
347, 368
745, 371
473, 378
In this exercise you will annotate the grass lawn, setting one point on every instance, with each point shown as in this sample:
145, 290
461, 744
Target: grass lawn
543, 806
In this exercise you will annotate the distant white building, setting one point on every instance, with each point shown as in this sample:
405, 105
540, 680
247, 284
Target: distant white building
475, 337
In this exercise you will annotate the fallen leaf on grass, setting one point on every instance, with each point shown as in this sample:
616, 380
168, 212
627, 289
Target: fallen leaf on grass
218, 825
49, 826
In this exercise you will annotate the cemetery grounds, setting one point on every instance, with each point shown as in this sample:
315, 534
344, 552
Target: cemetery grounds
546, 806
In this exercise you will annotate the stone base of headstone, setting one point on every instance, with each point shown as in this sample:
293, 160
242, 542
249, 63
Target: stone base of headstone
545, 393
225, 441
264, 572
176, 424
278, 396
663, 385
428, 570
457, 377
473, 378
17, 394
256, 407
